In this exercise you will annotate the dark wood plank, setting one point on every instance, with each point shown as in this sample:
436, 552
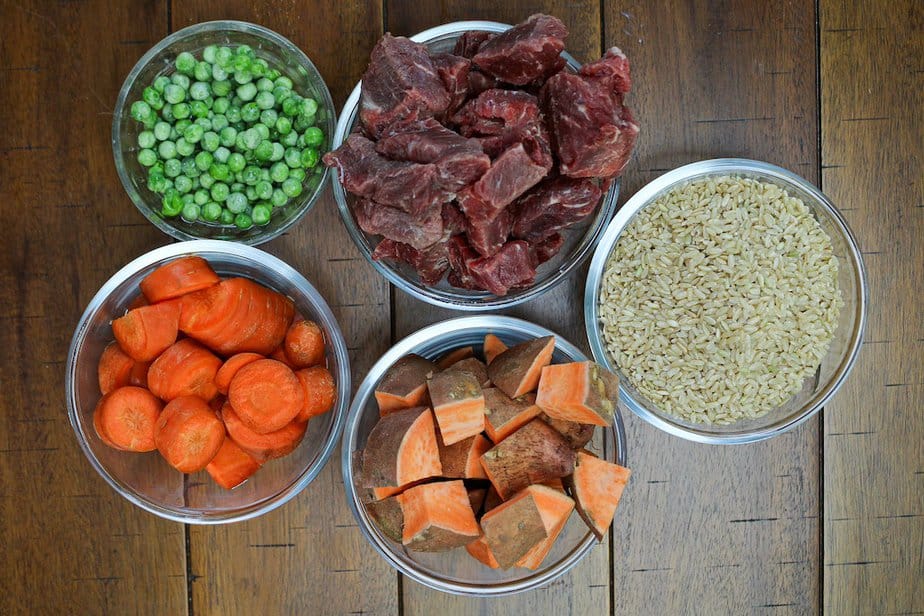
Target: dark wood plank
586, 589
70, 543
872, 77
307, 556
709, 529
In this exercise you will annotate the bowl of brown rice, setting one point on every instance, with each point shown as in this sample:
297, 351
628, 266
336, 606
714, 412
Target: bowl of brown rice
730, 297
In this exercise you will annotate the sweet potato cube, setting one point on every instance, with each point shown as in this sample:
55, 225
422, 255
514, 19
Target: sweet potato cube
480, 551
597, 486
454, 356
580, 391
493, 346
578, 434
462, 460
555, 507
458, 404
504, 415
437, 517
513, 528
388, 517
402, 448
516, 371
405, 384
476, 498
533, 454
475, 366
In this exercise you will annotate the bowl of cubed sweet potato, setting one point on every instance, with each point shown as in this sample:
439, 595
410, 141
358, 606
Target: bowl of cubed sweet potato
484, 455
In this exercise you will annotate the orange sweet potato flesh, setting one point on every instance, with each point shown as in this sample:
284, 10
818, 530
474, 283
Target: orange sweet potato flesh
513, 528
578, 434
533, 454
504, 415
404, 385
402, 448
454, 356
388, 517
555, 507
458, 404
493, 346
462, 460
437, 517
516, 371
480, 551
597, 486
580, 391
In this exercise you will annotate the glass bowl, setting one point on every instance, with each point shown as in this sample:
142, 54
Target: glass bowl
146, 479
842, 353
275, 49
579, 239
456, 571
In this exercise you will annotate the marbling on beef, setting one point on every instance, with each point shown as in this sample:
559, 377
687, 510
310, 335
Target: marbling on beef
509, 267
453, 71
525, 52
453, 219
401, 82
546, 249
470, 42
518, 169
553, 205
416, 231
488, 237
593, 132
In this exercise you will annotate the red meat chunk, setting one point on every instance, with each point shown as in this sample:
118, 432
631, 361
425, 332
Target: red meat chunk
518, 169
431, 263
453, 71
546, 249
553, 205
488, 237
509, 267
453, 219
392, 223
470, 42
524, 53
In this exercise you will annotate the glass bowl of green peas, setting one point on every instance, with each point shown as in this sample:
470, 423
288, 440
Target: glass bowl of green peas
218, 133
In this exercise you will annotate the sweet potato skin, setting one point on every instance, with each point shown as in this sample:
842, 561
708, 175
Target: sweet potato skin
404, 384
423, 507
456, 458
388, 517
504, 415
516, 371
533, 454
380, 455
577, 434
512, 529
475, 366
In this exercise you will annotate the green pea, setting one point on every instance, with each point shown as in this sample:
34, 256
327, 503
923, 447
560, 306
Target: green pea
205, 123
173, 168
153, 98
181, 111
262, 129
181, 80
250, 112
250, 175
146, 139
240, 143
185, 63
147, 157
303, 122
268, 117
190, 212
237, 187
293, 157
310, 158
246, 92
167, 113
189, 168
219, 74
188, 199
263, 151
264, 85
241, 64
203, 71
243, 221
290, 139
160, 83
210, 141
264, 174
193, 133
292, 187
223, 56
251, 193
157, 183
251, 138
162, 131
174, 94
206, 181
284, 82
283, 125
228, 136
261, 214
179, 127
265, 100
221, 88
263, 190
221, 104
219, 171
199, 91
314, 136
242, 77
208, 54
309, 106
273, 74
236, 162
166, 149
279, 172
198, 109
201, 197
298, 174
226, 217
219, 191
183, 184
236, 202
292, 106
172, 203
233, 114
184, 148
140, 110
210, 211
278, 152
279, 198
222, 154
281, 93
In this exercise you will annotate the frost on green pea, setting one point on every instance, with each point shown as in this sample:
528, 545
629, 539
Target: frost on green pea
185, 63
157, 182
242, 77
203, 71
261, 214
251, 193
160, 83
223, 56
140, 111
279, 198
173, 168
268, 117
265, 85
233, 114
199, 91
237, 187
179, 127
265, 100
205, 123
250, 112
146, 139
219, 75
236, 202
222, 154
162, 131
241, 64
208, 53
166, 149
292, 187
292, 106
262, 129
246, 92
210, 141
309, 106
147, 157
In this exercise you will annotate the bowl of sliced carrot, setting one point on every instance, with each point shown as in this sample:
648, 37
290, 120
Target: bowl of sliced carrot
207, 382
484, 456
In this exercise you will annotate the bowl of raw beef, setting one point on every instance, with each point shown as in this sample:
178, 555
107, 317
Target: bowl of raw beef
477, 163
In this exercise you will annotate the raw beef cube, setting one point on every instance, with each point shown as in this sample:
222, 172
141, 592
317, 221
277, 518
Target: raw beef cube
510, 267
453, 70
401, 82
612, 69
593, 132
501, 118
417, 232
468, 44
546, 249
526, 52
488, 237
475, 208
518, 169
553, 205
431, 263
459, 161
408, 186
453, 219
478, 82
460, 255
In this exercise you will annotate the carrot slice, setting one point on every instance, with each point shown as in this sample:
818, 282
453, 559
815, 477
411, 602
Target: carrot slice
230, 367
462, 460
304, 344
555, 508
320, 392
179, 277
188, 434
493, 346
404, 384
504, 415
453, 356
580, 391
401, 448
597, 486
437, 517
145, 332
125, 418
458, 404
185, 369
114, 369
266, 395
263, 446
516, 371
280, 355
232, 466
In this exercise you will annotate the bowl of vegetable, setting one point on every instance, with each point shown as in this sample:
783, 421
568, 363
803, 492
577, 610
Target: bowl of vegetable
730, 297
218, 131
207, 382
432, 422
503, 218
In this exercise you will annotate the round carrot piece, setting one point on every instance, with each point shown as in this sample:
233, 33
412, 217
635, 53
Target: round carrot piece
263, 446
304, 344
145, 332
280, 355
125, 418
320, 391
266, 395
179, 277
185, 369
115, 368
188, 434
228, 369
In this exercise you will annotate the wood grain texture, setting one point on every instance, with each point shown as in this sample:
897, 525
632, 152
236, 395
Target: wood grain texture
872, 126
70, 543
708, 529
585, 590
307, 556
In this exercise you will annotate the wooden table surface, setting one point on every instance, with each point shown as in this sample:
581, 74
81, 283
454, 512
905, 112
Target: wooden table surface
826, 518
